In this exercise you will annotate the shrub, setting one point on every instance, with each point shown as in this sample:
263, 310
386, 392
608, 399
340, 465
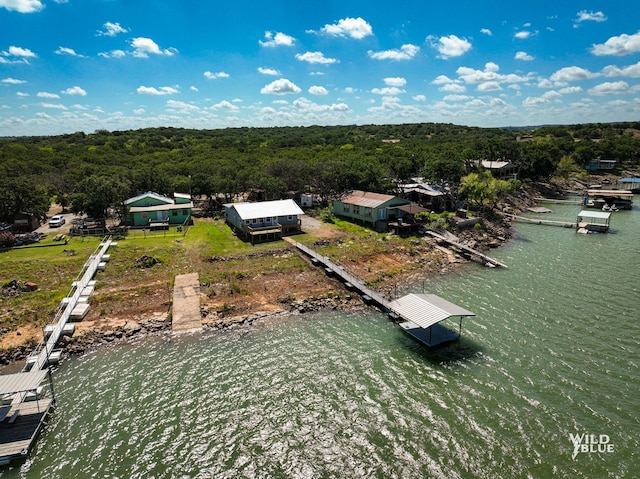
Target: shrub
7, 239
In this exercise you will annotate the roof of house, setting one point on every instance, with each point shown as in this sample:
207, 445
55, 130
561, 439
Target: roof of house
168, 207
149, 194
427, 309
368, 199
266, 209
495, 164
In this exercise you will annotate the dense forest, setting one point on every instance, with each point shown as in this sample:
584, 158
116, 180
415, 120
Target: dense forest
94, 173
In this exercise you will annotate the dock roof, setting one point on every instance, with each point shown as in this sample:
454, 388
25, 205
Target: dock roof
21, 382
425, 310
594, 214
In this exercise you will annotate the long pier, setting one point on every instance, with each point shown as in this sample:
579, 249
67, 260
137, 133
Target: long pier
467, 249
332, 268
536, 221
23, 407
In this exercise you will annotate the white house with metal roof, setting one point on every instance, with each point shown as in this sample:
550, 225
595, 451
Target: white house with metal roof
264, 220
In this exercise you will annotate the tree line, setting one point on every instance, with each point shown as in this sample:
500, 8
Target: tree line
94, 173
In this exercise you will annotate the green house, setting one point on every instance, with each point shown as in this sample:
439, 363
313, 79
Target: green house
373, 209
151, 209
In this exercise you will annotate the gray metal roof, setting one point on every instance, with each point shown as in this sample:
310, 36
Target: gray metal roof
427, 309
594, 214
21, 382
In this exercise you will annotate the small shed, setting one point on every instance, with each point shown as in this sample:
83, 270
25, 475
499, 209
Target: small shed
150, 208
264, 220
25, 223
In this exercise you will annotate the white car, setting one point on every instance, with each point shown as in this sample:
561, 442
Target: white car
55, 221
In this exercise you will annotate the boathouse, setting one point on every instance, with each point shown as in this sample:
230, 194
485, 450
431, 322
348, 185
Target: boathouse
593, 221
372, 209
421, 315
264, 220
151, 209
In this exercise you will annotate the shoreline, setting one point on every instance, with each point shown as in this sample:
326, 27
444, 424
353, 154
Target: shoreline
431, 259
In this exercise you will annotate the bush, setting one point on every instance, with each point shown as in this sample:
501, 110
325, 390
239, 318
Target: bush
7, 239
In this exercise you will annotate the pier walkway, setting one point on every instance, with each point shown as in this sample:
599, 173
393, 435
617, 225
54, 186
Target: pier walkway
23, 406
536, 221
185, 314
417, 314
467, 249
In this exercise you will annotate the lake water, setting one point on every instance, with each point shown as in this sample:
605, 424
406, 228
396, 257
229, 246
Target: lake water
553, 353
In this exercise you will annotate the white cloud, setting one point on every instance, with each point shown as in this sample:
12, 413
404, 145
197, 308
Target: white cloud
182, 107
523, 34
280, 87
489, 86
163, 90
395, 81
450, 46
315, 57
308, 106
632, 71
486, 31
489, 74
193, 88
113, 54
22, 94
111, 29
356, 28
442, 80
534, 101
46, 94
68, 51
406, 52
55, 106
139, 111
419, 98
275, 39
318, 90
453, 88
584, 16
144, 46
618, 46
214, 76
268, 71
13, 81
572, 73
388, 91
570, 90
524, 56
75, 90
16, 55
22, 6
610, 88
456, 98
225, 105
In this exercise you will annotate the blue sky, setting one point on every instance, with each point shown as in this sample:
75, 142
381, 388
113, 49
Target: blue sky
83, 65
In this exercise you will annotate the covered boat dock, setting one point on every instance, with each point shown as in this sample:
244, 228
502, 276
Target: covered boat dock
421, 315
23, 410
593, 221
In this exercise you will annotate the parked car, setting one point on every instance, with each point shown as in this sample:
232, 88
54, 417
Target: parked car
56, 220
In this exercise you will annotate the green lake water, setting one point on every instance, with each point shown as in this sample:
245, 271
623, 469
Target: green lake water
553, 352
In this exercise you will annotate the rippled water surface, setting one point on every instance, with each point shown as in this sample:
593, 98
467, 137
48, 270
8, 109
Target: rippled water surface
554, 350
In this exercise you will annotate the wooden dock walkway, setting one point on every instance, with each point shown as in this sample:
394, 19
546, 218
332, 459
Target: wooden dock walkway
459, 246
536, 221
348, 279
186, 303
23, 418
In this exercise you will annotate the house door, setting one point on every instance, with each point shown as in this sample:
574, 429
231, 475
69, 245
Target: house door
382, 214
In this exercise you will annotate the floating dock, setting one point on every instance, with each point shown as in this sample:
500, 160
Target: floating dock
26, 397
417, 314
466, 249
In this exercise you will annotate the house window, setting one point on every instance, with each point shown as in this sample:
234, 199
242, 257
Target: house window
254, 221
356, 210
290, 217
174, 212
145, 216
367, 212
185, 211
345, 207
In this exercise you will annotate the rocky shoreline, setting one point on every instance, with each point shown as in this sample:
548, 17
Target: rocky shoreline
495, 233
